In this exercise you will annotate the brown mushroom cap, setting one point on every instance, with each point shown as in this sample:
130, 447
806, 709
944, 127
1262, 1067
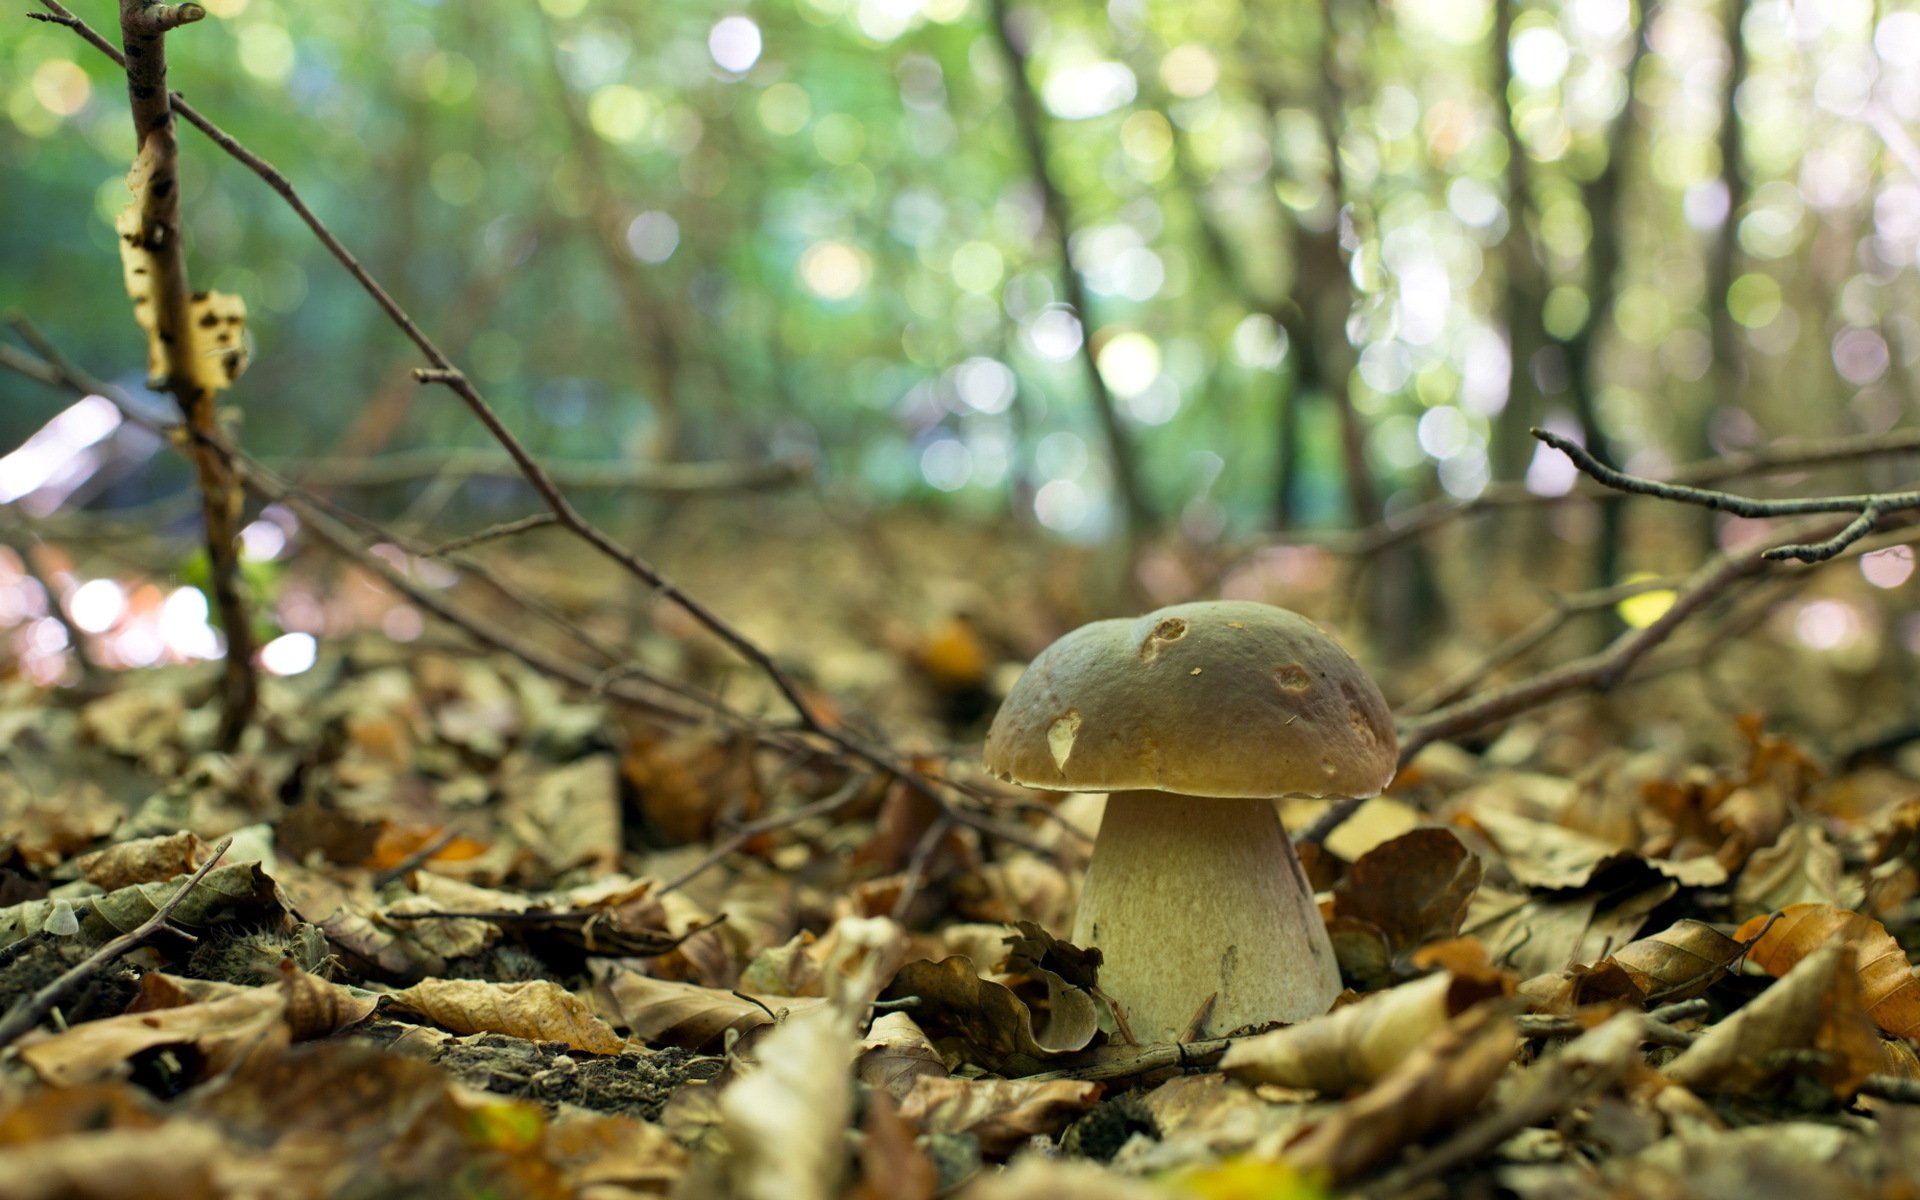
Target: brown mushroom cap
1217, 698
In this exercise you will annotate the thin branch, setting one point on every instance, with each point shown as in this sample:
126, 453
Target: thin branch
491, 533
30, 1012
825, 806
1871, 508
441, 370
154, 249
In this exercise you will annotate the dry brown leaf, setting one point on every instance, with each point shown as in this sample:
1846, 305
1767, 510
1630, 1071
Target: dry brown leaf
607, 1156
536, 1009
1679, 962
1413, 889
178, 1159
682, 1014
1802, 867
894, 1054
892, 1166
143, 860
1001, 1113
784, 1120
1817, 1005
1353, 1046
1887, 980
221, 1032
1435, 1087
976, 1020
568, 816
1032, 1177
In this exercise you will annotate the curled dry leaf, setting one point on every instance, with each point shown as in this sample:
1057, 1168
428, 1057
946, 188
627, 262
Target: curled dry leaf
536, 1009
1817, 1005
1802, 867
1432, 1089
1001, 1113
683, 1014
1353, 1046
975, 1020
1887, 981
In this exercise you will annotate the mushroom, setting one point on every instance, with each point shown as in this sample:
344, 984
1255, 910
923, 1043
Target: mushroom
1194, 718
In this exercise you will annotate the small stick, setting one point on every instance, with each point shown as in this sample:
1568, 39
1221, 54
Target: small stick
29, 1012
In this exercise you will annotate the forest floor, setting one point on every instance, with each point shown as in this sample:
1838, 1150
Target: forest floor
443, 927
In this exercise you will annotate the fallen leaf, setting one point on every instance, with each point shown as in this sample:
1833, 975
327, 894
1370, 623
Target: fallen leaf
682, 1014
1357, 1044
1435, 1087
1001, 1113
975, 1020
1816, 1005
537, 1009
1679, 962
1887, 981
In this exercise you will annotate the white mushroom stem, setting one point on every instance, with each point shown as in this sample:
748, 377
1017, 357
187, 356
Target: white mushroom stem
1189, 897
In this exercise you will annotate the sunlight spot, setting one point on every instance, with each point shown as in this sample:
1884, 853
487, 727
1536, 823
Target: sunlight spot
833, 270
183, 628
1644, 609
1827, 624
946, 464
653, 237
1076, 93
96, 604
290, 653
1129, 362
1540, 56
61, 86
262, 541
618, 112
54, 446
1190, 70
1055, 333
985, 385
1888, 568
1062, 505
734, 43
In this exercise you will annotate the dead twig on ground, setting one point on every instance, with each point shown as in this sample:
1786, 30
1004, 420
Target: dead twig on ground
30, 1012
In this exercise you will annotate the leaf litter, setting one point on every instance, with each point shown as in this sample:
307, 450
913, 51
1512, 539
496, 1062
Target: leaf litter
474, 938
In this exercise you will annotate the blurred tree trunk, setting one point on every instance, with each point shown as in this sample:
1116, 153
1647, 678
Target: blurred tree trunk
1729, 369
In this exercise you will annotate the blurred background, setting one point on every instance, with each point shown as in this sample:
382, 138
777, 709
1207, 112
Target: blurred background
1127, 303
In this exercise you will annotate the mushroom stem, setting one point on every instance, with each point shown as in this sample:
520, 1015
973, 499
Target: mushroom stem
1189, 897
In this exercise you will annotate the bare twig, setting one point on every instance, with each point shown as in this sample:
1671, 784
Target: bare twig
31, 1011
1779, 458
824, 806
1869, 508
163, 297
491, 533
441, 370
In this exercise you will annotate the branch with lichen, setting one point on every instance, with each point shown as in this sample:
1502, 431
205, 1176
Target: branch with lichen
1870, 509
194, 341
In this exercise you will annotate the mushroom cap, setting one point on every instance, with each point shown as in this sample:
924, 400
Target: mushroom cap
1218, 698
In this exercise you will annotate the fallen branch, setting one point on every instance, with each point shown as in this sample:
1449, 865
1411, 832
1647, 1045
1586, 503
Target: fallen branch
1869, 509
1782, 457
30, 1012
